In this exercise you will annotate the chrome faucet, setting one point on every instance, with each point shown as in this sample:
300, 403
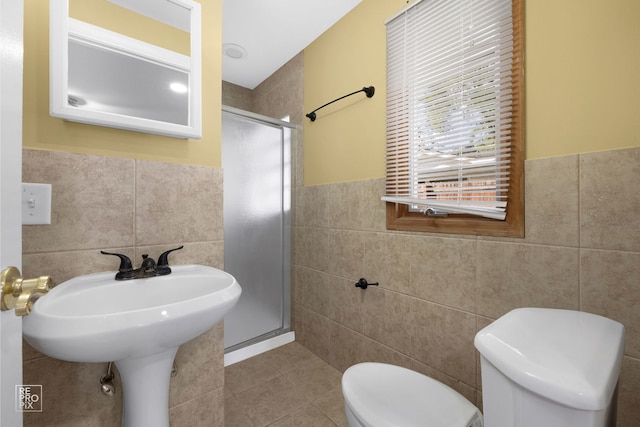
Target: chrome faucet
148, 267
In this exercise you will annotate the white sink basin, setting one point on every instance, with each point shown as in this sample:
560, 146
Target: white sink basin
136, 323
94, 318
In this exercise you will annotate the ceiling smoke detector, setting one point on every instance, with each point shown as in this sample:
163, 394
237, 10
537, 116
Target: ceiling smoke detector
234, 51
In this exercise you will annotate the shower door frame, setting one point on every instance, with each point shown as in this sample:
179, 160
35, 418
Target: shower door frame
287, 189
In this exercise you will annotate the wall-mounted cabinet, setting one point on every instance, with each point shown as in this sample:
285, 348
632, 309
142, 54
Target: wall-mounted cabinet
107, 78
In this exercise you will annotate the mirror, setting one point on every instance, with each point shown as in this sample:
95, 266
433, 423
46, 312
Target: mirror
99, 76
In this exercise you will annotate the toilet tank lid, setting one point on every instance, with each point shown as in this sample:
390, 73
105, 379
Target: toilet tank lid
570, 357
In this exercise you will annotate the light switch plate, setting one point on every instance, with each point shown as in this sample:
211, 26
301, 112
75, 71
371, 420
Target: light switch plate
36, 203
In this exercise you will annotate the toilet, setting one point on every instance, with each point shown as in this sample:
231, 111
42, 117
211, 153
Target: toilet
381, 395
540, 367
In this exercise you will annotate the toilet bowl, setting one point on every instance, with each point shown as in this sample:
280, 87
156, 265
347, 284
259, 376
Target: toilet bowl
540, 367
381, 395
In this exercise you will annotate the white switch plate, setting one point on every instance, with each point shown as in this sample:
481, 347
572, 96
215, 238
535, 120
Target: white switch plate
36, 203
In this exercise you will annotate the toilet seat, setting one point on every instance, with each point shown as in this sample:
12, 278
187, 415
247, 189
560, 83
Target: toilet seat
382, 395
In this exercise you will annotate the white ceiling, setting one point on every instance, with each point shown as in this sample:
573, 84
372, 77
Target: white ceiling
272, 32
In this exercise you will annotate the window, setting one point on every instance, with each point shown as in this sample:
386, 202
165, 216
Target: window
455, 135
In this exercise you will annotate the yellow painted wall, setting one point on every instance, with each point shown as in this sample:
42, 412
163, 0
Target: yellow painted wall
346, 142
582, 76
41, 131
582, 85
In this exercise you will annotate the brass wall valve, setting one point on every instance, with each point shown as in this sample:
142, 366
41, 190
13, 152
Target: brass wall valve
21, 293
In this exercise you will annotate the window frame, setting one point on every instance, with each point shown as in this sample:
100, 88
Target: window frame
400, 217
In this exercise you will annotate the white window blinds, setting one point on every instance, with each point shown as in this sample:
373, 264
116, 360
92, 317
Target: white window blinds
449, 106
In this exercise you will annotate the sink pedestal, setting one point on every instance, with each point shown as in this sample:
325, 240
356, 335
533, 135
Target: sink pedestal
145, 389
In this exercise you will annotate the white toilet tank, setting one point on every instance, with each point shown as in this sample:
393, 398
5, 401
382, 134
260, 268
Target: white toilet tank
551, 368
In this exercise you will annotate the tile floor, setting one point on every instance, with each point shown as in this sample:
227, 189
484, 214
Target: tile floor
285, 387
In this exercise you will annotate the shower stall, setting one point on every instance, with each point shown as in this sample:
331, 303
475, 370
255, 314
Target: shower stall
256, 159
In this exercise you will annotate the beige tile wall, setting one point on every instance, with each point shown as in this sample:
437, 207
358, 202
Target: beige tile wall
132, 207
581, 251
279, 96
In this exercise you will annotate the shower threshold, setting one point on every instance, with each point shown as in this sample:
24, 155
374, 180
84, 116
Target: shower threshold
261, 344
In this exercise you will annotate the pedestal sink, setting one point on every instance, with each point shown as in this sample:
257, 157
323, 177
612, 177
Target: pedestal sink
139, 324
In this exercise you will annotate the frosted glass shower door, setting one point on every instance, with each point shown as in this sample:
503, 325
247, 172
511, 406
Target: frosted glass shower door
256, 225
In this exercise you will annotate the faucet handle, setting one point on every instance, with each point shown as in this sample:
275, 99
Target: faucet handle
125, 261
163, 259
